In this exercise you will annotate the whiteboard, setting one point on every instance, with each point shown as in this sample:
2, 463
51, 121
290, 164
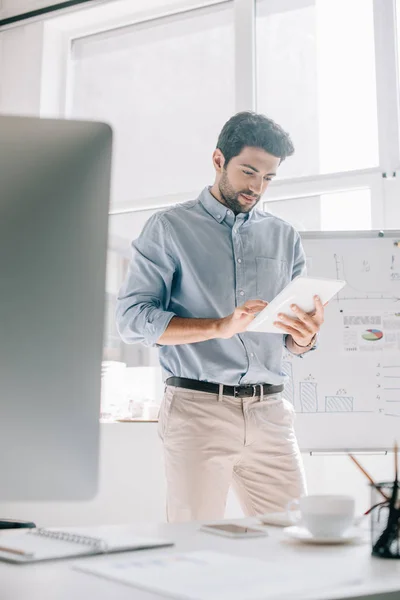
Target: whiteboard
346, 394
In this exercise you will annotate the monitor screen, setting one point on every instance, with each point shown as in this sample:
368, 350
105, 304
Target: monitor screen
54, 200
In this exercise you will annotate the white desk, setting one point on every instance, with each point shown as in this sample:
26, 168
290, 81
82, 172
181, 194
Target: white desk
57, 581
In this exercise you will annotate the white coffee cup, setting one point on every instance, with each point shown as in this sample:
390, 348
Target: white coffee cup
325, 516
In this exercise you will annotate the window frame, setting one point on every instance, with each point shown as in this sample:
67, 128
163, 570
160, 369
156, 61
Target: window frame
301, 187
384, 181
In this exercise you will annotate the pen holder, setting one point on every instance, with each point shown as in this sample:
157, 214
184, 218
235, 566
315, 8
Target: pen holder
385, 515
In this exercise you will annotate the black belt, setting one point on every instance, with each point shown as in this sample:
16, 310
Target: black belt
239, 391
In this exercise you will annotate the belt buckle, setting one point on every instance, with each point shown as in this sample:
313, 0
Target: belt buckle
235, 392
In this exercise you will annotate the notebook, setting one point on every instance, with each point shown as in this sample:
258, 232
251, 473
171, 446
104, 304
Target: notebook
46, 544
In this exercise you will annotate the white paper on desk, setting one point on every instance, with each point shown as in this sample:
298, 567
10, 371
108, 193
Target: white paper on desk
207, 575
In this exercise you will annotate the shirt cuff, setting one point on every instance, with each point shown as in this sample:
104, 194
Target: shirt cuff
157, 323
315, 346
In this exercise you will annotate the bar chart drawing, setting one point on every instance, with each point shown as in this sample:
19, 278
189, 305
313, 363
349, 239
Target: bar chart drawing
288, 393
308, 397
339, 404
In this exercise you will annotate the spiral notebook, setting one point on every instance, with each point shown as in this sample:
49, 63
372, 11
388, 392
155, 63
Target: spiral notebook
47, 544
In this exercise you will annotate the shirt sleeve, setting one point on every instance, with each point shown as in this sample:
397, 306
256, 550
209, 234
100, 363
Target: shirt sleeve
142, 305
299, 259
299, 268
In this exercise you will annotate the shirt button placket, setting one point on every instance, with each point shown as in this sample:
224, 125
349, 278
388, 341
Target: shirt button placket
239, 269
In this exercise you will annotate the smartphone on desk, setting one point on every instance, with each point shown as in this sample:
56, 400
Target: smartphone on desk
233, 531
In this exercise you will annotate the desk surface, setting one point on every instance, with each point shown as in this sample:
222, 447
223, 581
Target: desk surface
57, 581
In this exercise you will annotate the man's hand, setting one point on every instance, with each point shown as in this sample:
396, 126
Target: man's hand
190, 331
303, 328
238, 321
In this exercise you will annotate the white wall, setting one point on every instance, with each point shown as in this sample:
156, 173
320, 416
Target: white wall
21, 69
131, 483
132, 486
131, 480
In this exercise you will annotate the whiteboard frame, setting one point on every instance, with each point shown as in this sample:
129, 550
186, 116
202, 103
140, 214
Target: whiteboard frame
361, 234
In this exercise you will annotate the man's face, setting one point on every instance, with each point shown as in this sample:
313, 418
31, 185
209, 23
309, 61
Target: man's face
246, 177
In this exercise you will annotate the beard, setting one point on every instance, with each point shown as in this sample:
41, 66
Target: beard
232, 198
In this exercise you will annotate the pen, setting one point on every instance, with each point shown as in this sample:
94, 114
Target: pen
368, 476
15, 551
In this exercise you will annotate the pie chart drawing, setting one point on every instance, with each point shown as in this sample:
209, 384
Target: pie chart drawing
372, 335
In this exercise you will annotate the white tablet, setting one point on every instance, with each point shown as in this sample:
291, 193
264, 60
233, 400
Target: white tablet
300, 291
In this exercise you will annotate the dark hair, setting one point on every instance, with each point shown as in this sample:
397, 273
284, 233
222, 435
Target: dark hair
255, 130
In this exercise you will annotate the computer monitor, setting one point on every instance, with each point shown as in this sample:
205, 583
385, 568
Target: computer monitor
54, 197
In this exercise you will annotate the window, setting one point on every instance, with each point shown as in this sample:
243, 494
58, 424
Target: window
335, 211
167, 87
349, 210
131, 376
316, 78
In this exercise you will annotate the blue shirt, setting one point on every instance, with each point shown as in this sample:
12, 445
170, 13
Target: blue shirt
199, 260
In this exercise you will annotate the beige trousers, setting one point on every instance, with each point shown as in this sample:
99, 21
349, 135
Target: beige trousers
211, 442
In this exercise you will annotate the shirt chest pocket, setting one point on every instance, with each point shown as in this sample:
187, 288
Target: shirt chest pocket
272, 277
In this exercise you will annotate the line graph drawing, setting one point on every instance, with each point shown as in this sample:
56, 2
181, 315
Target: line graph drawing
395, 267
364, 295
308, 397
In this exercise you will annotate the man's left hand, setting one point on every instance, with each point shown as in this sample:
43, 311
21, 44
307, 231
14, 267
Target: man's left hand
305, 326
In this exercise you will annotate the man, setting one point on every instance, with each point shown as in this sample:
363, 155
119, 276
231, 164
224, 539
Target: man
200, 271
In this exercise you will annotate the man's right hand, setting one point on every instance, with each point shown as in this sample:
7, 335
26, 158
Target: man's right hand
238, 321
190, 331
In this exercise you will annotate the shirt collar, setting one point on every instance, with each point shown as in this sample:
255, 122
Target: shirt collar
216, 209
